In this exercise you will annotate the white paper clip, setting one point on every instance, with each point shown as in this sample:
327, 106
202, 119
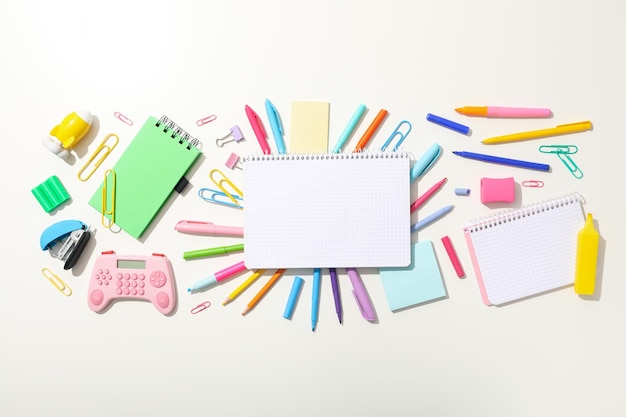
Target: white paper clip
233, 161
206, 120
234, 135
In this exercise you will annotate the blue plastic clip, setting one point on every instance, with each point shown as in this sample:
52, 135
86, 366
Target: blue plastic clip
397, 132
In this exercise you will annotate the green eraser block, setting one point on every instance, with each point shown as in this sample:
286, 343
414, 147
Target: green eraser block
51, 193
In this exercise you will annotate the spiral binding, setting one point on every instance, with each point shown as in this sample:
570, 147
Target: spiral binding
325, 156
512, 215
177, 131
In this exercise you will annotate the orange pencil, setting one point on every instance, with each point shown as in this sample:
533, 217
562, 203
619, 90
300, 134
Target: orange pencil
265, 289
371, 130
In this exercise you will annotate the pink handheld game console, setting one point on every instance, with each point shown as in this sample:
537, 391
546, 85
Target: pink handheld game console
132, 277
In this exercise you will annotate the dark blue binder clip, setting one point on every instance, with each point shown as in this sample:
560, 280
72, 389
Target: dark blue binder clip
66, 240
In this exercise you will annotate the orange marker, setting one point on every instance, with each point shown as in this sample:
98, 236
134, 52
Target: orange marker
265, 289
373, 127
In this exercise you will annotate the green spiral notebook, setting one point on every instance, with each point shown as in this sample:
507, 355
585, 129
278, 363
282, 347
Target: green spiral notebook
150, 169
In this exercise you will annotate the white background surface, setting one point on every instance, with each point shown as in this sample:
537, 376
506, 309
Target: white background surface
556, 354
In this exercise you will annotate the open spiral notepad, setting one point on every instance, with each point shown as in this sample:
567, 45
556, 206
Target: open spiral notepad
327, 210
527, 251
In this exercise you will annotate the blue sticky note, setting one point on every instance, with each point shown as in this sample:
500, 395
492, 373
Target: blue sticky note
418, 283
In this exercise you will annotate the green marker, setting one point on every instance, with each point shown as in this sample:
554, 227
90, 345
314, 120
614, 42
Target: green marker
219, 250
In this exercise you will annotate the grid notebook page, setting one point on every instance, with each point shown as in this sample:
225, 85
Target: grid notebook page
526, 251
327, 210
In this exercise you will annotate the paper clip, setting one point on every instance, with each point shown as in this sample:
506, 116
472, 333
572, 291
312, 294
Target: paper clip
570, 164
233, 161
558, 148
206, 120
215, 198
224, 180
103, 150
200, 307
123, 118
57, 282
105, 206
235, 134
397, 132
532, 183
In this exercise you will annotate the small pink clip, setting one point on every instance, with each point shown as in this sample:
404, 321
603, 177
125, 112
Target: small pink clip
200, 307
532, 183
206, 120
233, 161
123, 118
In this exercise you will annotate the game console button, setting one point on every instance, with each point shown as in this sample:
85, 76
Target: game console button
158, 279
163, 300
96, 297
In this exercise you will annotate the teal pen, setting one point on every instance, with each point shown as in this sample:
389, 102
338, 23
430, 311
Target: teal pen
276, 125
356, 117
315, 300
429, 219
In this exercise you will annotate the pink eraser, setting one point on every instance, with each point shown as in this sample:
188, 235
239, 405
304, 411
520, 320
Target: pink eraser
497, 190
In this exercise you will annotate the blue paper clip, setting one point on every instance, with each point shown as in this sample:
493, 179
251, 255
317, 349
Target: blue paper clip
397, 132
219, 197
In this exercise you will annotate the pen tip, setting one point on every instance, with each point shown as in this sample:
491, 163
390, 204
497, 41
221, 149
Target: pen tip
188, 289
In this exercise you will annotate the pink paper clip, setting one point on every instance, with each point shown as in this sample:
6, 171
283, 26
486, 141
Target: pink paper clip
123, 118
206, 120
233, 161
532, 184
201, 307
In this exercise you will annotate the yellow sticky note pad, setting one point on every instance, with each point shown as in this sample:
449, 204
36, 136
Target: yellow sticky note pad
309, 127
586, 258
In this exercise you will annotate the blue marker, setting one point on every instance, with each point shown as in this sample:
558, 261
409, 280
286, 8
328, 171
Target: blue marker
276, 125
356, 117
429, 219
457, 127
293, 297
315, 300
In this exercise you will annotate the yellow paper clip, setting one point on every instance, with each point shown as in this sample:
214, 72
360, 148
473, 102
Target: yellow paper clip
106, 208
220, 184
57, 282
200, 307
397, 132
103, 151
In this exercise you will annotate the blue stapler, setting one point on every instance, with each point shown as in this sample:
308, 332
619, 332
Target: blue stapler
66, 240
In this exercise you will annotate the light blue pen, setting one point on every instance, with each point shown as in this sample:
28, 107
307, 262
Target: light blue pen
429, 219
293, 297
315, 300
276, 125
356, 117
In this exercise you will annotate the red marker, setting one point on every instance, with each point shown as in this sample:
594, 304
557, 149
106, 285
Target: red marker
447, 243
422, 199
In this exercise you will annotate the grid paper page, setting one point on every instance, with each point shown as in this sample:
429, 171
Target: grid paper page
327, 210
526, 251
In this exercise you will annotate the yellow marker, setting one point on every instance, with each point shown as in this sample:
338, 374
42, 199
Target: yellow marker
586, 258
542, 133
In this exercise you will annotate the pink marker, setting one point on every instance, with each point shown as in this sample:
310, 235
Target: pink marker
447, 243
219, 276
207, 228
511, 112
259, 131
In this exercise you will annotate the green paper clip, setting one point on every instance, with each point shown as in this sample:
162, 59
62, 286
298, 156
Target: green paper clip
51, 193
558, 149
570, 164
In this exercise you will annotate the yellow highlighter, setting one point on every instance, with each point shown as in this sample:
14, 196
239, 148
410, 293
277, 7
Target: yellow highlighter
542, 133
586, 258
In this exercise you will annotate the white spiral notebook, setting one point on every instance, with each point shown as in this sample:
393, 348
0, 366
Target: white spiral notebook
327, 210
527, 251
